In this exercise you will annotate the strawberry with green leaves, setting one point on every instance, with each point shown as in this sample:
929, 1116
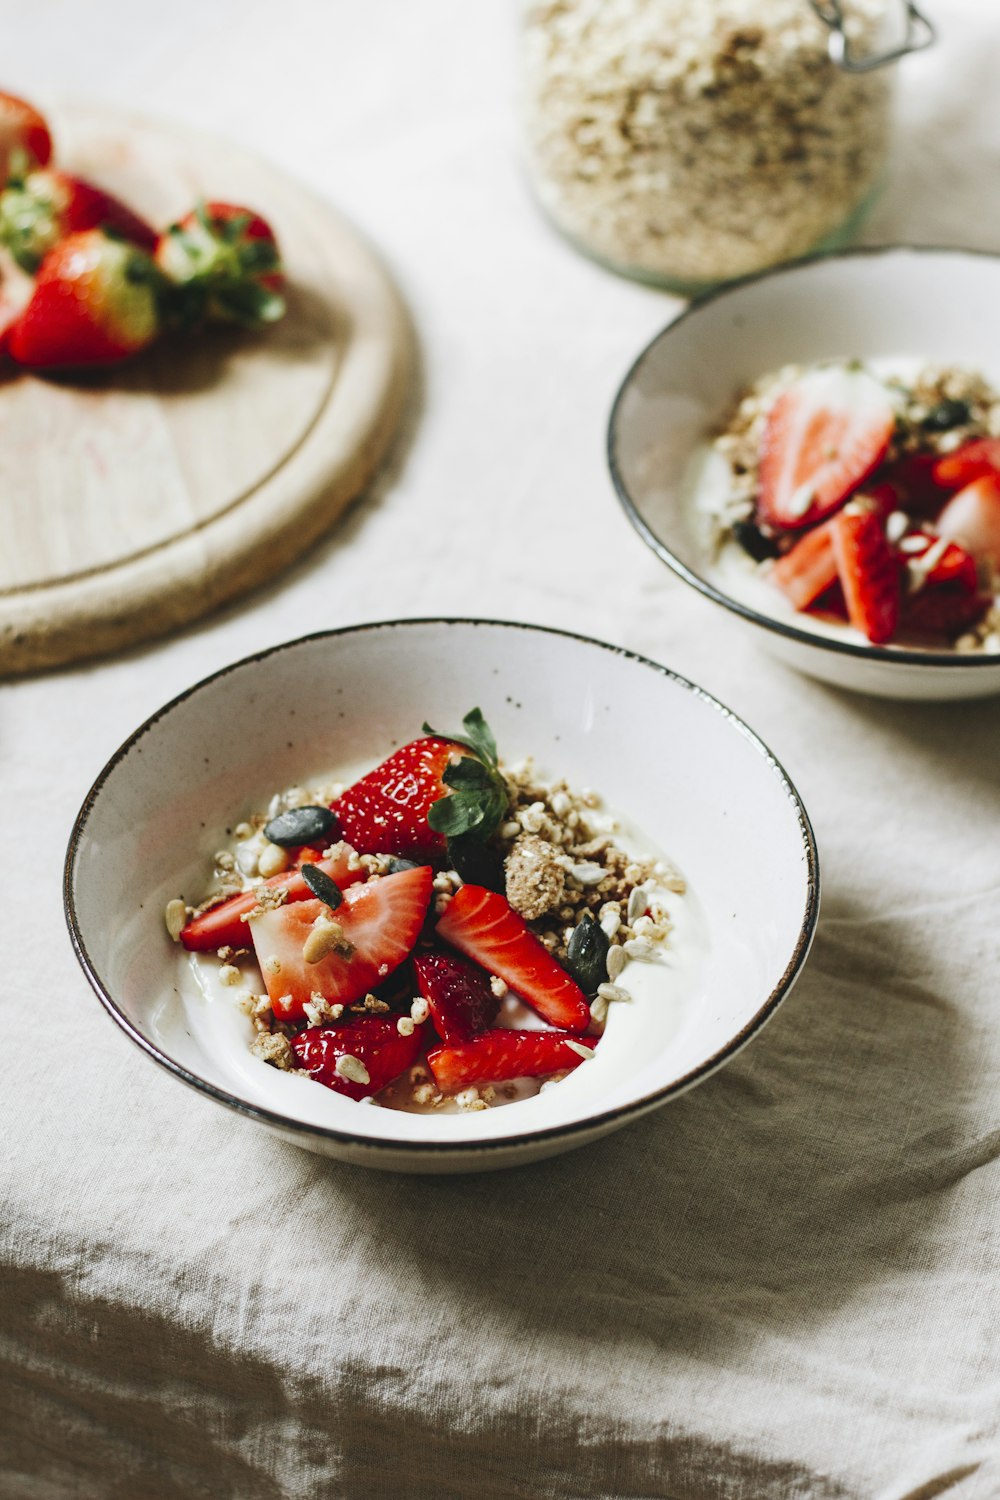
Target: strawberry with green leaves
227, 257
96, 301
444, 794
44, 206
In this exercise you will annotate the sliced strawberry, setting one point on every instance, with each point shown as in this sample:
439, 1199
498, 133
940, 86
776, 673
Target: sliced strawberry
868, 572
808, 569
461, 1000
96, 301
972, 517
380, 922
43, 207
372, 1041
822, 438
976, 460
223, 925
500, 1055
484, 926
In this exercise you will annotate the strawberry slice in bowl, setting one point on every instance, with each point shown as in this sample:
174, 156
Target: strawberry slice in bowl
868, 572
824, 435
225, 924
462, 1004
502, 1055
359, 1057
340, 951
484, 926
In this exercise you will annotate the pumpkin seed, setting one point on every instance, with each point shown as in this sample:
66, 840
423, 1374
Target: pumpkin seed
587, 954
300, 825
322, 886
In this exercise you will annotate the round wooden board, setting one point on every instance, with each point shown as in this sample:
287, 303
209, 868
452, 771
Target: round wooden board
136, 499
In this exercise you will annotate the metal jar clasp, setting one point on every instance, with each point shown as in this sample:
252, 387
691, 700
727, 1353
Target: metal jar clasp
919, 34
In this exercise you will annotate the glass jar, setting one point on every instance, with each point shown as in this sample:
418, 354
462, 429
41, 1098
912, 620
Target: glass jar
687, 142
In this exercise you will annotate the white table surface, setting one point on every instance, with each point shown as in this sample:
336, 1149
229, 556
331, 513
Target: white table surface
783, 1284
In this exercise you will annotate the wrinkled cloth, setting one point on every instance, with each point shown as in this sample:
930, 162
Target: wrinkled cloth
784, 1283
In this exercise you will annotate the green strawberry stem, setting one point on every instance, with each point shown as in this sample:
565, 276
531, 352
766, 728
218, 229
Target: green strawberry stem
479, 798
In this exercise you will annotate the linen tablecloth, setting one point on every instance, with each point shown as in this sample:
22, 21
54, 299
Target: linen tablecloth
782, 1284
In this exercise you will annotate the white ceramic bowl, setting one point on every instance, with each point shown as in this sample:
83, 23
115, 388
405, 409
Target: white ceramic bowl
664, 753
894, 303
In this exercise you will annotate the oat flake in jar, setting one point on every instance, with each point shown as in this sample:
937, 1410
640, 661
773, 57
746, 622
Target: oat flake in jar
690, 141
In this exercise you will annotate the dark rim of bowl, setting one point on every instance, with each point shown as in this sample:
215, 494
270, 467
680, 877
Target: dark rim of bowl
900, 655
469, 1147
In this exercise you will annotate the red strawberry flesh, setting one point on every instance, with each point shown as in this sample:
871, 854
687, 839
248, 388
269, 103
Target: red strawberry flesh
484, 926
94, 303
23, 134
822, 437
979, 459
869, 573
459, 995
223, 925
380, 921
808, 569
372, 1041
385, 812
500, 1055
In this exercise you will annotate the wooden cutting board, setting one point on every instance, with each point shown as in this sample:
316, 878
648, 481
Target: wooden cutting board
135, 500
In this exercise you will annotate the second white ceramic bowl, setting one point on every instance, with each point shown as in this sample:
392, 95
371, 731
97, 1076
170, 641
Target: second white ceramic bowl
930, 306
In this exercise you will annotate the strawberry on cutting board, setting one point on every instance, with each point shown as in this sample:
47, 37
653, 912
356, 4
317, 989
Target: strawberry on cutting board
868, 572
25, 140
500, 1055
223, 925
485, 927
96, 301
459, 995
46, 205
358, 1057
822, 437
431, 790
230, 254
378, 924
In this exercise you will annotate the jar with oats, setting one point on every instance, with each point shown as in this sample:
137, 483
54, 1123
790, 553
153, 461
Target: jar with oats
687, 142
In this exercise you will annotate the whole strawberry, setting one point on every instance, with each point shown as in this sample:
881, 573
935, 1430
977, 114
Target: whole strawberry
96, 301
230, 256
25, 140
46, 206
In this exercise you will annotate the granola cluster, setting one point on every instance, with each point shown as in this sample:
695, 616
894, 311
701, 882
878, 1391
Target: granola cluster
699, 141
